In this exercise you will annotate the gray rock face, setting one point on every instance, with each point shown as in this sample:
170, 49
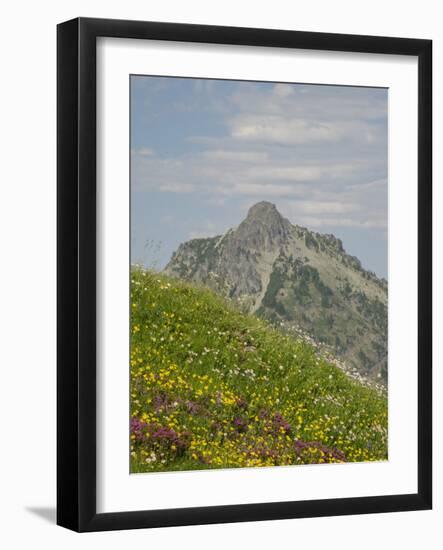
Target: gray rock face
263, 229
298, 279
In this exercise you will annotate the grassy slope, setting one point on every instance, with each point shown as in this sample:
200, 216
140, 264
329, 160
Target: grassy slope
214, 388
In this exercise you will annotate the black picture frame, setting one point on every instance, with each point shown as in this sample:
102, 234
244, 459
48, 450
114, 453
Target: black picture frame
76, 280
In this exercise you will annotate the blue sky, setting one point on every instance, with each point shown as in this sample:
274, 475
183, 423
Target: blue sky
204, 151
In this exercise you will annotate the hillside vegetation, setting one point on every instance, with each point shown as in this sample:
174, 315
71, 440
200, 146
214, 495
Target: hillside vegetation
212, 387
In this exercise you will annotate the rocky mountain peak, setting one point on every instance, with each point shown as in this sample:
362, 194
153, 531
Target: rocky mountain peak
295, 278
264, 227
263, 208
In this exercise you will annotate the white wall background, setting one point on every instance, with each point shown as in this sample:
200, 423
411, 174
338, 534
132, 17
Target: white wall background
27, 289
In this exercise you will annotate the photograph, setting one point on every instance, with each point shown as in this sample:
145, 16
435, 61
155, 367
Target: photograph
258, 274
222, 320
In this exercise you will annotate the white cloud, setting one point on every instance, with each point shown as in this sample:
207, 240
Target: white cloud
283, 90
319, 222
236, 156
144, 152
276, 171
260, 190
231, 173
208, 229
319, 153
359, 206
323, 221
283, 130
325, 207
177, 187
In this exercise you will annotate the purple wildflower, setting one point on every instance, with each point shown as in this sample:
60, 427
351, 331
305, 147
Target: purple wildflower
280, 424
138, 428
240, 424
168, 437
336, 454
192, 407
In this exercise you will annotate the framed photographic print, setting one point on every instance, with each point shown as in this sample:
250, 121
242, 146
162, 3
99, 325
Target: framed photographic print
244, 274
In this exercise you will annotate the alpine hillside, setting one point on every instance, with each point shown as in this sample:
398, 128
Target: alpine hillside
300, 280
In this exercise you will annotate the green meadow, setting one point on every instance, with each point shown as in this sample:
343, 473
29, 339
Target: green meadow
212, 387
